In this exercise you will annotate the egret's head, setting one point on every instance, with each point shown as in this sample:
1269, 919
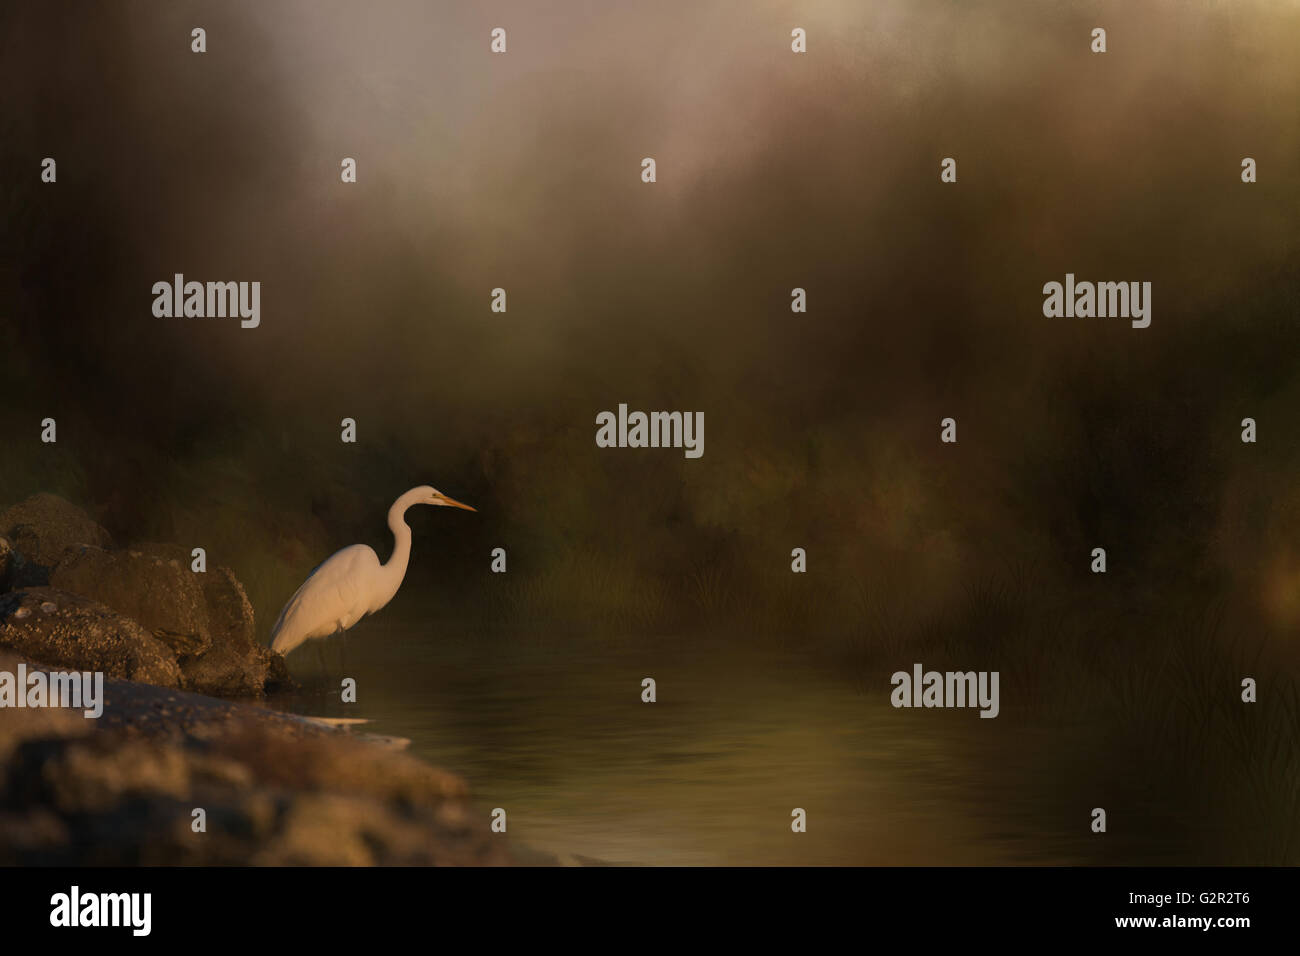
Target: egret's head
432, 496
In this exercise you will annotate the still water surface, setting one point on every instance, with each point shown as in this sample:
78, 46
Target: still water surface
555, 732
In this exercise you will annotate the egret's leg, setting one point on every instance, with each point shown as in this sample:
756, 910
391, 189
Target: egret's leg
343, 651
320, 656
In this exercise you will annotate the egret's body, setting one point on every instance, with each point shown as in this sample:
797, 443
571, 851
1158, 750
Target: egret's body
352, 583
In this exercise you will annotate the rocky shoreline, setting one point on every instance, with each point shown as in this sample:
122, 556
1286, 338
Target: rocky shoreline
124, 789
138, 613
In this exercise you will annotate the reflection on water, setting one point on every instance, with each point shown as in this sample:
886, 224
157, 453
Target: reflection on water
556, 733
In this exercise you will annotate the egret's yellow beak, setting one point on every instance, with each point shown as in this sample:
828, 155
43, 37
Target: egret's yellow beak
453, 503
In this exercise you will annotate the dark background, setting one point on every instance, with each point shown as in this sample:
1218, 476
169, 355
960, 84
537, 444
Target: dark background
774, 171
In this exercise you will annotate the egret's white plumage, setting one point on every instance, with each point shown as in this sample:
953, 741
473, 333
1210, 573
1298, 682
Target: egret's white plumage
352, 583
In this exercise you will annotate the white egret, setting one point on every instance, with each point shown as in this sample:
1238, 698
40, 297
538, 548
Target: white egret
352, 583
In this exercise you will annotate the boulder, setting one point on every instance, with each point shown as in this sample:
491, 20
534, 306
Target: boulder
163, 595
205, 618
234, 664
275, 789
40, 529
202, 621
71, 631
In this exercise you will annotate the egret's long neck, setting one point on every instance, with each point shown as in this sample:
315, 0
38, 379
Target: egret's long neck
394, 570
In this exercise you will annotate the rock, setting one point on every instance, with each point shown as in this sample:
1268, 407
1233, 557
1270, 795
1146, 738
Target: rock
276, 790
40, 529
277, 671
165, 598
204, 620
236, 664
71, 631
204, 617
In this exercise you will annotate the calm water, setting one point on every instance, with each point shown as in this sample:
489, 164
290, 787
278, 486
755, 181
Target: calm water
555, 732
